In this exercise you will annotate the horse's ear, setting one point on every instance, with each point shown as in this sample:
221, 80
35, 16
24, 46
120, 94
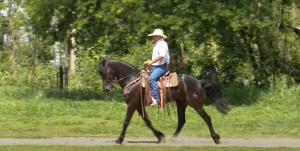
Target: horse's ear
103, 59
103, 62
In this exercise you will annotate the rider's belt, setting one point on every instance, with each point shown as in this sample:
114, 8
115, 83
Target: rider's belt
165, 64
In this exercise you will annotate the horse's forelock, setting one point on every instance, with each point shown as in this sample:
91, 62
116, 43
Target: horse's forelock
102, 65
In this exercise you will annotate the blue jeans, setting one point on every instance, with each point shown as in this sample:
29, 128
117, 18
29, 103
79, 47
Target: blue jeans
157, 72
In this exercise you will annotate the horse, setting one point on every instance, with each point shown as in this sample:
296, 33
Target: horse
190, 91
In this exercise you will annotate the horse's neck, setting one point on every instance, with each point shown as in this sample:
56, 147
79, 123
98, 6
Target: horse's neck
123, 71
126, 73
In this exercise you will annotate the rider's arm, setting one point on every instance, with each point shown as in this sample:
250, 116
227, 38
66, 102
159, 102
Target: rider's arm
155, 60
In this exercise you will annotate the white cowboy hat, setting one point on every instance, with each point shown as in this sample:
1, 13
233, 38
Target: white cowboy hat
158, 32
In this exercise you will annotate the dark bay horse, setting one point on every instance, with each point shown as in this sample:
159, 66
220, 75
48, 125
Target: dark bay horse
189, 91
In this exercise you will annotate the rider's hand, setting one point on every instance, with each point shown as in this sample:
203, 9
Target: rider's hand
147, 63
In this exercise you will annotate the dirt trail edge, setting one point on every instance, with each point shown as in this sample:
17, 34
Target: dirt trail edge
180, 141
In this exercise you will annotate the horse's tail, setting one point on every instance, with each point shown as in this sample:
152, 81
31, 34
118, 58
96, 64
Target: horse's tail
213, 92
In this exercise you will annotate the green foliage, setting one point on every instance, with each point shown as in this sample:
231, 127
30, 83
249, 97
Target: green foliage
242, 43
44, 75
87, 76
5, 68
3, 30
139, 54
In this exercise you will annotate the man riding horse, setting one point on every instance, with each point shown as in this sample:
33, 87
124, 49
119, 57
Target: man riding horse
189, 90
160, 60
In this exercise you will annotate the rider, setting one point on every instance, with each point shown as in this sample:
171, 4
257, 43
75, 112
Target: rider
160, 60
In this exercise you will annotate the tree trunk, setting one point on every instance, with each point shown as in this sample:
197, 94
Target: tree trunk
72, 55
66, 67
293, 7
33, 63
13, 50
173, 54
1, 40
182, 55
247, 39
13, 40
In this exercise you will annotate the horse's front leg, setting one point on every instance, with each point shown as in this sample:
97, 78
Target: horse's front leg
160, 136
130, 110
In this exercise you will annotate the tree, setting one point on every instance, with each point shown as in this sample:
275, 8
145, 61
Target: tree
243, 42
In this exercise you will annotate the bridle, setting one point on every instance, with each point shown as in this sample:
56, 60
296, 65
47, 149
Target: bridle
110, 77
112, 81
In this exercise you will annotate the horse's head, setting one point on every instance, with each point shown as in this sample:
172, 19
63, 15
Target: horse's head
107, 75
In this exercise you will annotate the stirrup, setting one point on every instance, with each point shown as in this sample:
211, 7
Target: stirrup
153, 105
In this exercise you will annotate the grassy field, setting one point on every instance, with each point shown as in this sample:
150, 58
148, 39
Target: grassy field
51, 113
137, 148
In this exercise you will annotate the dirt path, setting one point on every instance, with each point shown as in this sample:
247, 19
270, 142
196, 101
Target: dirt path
181, 141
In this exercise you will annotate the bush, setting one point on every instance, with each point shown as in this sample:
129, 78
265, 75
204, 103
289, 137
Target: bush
87, 76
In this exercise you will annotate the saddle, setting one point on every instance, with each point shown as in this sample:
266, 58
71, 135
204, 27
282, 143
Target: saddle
168, 80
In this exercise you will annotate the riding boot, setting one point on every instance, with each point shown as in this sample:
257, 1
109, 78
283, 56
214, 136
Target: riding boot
154, 102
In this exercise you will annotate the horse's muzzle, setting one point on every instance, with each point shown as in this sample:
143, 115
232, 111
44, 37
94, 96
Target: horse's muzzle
107, 90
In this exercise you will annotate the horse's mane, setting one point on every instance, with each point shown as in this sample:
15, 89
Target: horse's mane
122, 62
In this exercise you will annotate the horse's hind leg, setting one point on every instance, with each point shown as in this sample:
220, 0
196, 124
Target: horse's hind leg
160, 136
181, 106
199, 108
130, 110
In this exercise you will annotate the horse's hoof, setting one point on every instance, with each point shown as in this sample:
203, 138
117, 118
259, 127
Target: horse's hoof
161, 140
161, 137
174, 139
216, 139
119, 141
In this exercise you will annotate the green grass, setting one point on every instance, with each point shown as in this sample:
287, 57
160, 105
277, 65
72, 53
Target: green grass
50, 113
137, 148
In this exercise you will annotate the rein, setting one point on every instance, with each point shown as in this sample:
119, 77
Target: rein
113, 82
